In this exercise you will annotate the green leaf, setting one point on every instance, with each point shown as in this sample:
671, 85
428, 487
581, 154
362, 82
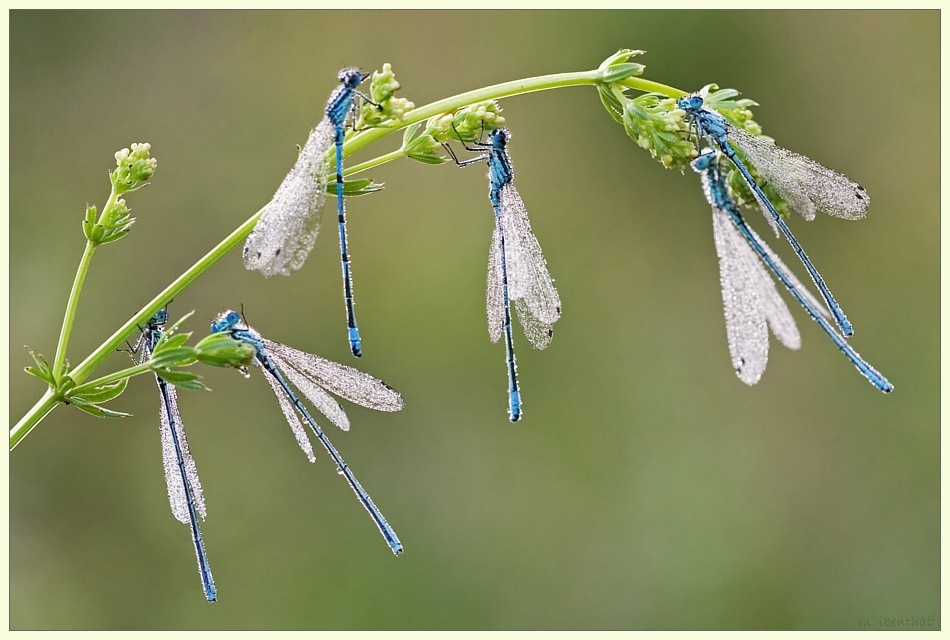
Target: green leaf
178, 357
42, 371
101, 393
41, 375
611, 103
428, 158
221, 350
618, 72
94, 233
114, 232
720, 95
409, 133
89, 224
170, 330
620, 57
182, 379
174, 342
353, 188
96, 410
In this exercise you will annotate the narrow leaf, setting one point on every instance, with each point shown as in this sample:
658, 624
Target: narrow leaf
174, 342
169, 331
428, 158
101, 393
353, 188
96, 410
221, 350
618, 72
611, 103
178, 357
45, 376
183, 379
409, 133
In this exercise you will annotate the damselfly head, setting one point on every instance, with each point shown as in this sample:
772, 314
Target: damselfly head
225, 321
159, 319
705, 160
350, 78
690, 103
499, 137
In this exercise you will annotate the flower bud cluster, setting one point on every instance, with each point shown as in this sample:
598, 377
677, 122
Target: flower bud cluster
133, 168
656, 124
382, 88
467, 124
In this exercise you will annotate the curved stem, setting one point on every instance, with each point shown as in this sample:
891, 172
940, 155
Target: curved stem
357, 142
494, 92
375, 162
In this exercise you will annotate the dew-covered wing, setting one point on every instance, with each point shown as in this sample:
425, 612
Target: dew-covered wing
528, 277
539, 334
286, 231
176, 488
805, 185
818, 306
776, 311
346, 382
323, 401
495, 295
746, 327
290, 412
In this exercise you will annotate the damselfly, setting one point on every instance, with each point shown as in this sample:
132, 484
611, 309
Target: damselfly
805, 185
181, 475
517, 270
286, 231
749, 297
314, 376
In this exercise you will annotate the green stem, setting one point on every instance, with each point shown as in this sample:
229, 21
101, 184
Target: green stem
506, 89
642, 84
73, 303
494, 92
112, 377
71, 306
375, 162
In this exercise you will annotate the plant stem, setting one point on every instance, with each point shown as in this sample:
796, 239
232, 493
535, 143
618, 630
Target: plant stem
375, 162
71, 306
506, 89
73, 303
494, 92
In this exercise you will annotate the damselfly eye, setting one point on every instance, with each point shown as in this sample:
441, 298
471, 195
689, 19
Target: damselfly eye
350, 77
690, 103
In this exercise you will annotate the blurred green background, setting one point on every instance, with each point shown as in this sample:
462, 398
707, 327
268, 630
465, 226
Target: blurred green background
646, 486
